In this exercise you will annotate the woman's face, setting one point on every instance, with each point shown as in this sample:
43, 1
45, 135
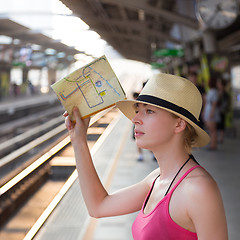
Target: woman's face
154, 127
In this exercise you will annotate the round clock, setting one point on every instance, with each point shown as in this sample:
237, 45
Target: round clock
217, 14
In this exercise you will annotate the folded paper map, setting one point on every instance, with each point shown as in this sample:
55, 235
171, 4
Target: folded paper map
91, 88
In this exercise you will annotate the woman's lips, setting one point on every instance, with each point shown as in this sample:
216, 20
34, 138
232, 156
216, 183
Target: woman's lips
138, 133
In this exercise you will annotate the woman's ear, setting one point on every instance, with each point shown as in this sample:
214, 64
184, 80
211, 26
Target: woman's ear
181, 125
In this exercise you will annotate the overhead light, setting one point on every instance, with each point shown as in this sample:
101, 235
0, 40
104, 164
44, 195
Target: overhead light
70, 58
5, 39
61, 55
36, 47
153, 45
50, 51
141, 15
16, 41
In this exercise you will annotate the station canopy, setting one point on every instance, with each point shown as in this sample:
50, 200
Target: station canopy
40, 45
136, 28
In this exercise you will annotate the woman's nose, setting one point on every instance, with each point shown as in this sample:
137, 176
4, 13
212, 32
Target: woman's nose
137, 119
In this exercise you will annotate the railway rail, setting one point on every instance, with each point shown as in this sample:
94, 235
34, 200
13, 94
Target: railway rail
50, 163
17, 152
15, 192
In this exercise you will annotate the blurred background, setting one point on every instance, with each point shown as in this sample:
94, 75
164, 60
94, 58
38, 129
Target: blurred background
42, 41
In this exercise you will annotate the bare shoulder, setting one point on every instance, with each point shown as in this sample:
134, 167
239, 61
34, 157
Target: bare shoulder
204, 205
199, 183
149, 179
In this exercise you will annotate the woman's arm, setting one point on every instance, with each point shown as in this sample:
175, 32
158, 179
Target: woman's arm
214, 103
213, 109
99, 203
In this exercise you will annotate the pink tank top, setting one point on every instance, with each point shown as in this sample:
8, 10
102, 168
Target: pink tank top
158, 224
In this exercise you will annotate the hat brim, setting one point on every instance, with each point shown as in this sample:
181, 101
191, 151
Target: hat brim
127, 108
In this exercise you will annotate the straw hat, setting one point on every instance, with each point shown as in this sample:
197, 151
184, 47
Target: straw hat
174, 94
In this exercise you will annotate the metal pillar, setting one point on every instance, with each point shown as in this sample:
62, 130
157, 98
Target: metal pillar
51, 76
209, 42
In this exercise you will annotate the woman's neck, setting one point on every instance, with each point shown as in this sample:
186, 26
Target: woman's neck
170, 161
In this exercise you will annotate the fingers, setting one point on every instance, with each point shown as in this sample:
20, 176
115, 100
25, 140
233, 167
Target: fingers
76, 114
68, 123
81, 123
86, 122
65, 114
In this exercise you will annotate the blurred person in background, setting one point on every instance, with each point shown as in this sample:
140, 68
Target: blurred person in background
193, 77
224, 106
211, 112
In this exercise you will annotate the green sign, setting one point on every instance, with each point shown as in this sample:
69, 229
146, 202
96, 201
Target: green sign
168, 52
18, 64
157, 65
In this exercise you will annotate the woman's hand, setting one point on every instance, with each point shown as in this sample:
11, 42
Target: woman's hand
77, 129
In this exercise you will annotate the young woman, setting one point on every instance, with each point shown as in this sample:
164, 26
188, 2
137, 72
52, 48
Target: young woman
179, 200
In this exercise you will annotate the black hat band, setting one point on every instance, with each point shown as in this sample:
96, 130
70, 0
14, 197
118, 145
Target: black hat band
166, 104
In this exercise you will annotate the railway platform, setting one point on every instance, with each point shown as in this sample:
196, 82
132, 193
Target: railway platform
14, 104
116, 162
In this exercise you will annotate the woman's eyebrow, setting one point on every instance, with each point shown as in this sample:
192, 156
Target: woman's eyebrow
136, 105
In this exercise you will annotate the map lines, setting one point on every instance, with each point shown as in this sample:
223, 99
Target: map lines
91, 88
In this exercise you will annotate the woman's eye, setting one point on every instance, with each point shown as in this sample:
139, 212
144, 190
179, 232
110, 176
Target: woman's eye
149, 111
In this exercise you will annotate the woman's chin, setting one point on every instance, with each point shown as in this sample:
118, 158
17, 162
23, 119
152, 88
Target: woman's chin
143, 146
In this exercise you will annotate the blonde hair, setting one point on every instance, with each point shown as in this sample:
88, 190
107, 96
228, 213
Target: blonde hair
189, 135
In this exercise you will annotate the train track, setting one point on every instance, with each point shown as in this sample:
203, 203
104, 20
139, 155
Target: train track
44, 178
19, 189
18, 152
